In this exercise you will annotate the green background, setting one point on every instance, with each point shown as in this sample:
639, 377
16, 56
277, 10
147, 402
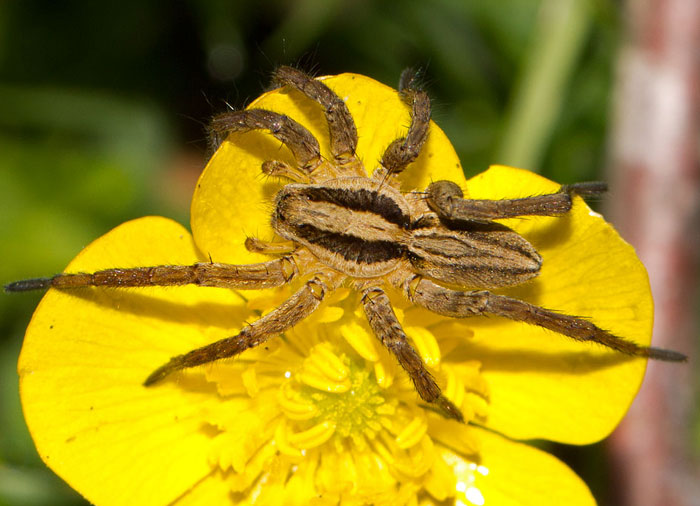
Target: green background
103, 109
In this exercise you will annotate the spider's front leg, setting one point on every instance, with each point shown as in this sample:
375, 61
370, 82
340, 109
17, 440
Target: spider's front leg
296, 137
248, 277
341, 126
405, 150
458, 304
388, 329
447, 200
289, 313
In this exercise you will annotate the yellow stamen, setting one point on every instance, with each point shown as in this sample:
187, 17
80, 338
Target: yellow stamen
426, 344
455, 387
412, 433
384, 374
330, 314
294, 405
323, 358
315, 379
282, 441
250, 381
315, 436
360, 340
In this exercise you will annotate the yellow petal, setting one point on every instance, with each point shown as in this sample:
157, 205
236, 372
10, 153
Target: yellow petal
233, 200
463, 438
542, 384
212, 490
517, 474
86, 354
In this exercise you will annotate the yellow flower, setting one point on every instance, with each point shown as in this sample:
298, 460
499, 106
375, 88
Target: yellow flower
323, 414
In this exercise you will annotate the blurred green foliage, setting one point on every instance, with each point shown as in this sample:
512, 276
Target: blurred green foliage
103, 107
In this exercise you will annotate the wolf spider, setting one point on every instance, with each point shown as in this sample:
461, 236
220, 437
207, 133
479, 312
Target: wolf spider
342, 226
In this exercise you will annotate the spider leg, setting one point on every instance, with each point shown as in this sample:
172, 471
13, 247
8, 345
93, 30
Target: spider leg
446, 199
296, 137
405, 150
464, 304
387, 328
269, 248
278, 168
300, 305
252, 276
341, 126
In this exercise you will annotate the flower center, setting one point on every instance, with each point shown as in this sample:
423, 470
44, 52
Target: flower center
333, 394
327, 405
355, 411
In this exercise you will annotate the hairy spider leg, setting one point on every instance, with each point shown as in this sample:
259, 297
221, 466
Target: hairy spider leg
458, 304
403, 151
408, 79
278, 168
296, 137
249, 277
446, 199
388, 330
341, 125
269, 248
297, 307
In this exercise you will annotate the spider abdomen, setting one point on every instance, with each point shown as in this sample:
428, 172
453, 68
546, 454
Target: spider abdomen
474, 259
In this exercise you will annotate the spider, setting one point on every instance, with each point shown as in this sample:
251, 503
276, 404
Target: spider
442, 251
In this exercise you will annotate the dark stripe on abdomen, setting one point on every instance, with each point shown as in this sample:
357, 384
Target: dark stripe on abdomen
359, 200
480, 245
351, 248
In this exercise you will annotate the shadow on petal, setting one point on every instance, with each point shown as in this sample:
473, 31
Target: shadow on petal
211, 314
524, 360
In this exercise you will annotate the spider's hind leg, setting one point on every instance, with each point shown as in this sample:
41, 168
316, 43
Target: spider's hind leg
388, 329
447, 200
458, 304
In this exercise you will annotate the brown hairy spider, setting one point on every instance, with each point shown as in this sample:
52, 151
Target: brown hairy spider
344, 227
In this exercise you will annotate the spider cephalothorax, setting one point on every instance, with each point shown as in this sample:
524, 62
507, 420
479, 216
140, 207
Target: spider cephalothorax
440, 250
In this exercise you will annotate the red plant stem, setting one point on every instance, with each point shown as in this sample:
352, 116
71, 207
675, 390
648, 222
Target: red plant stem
655, 204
